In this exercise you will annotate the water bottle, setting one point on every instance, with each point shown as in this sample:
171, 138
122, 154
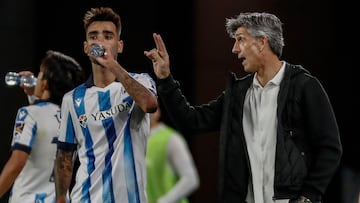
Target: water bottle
13, 78
97, 50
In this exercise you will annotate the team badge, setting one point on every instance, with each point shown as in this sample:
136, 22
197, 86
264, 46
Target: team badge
83, 120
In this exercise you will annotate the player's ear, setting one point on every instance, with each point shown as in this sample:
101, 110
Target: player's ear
120, 46
86, 47
44, 84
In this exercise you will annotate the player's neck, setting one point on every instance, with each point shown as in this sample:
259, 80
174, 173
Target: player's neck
103, 78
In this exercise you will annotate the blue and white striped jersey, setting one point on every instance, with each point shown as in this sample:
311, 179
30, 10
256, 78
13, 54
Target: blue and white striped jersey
109, 131
35, 132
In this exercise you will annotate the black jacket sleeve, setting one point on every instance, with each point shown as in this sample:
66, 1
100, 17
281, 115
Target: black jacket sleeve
189, 118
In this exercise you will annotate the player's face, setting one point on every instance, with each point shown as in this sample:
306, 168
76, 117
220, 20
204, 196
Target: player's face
103, 33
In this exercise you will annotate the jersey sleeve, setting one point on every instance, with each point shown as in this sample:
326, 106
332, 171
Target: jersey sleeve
67, 139
25, 128
146, 80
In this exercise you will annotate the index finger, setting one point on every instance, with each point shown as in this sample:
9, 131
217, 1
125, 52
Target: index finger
26, 72
160, 45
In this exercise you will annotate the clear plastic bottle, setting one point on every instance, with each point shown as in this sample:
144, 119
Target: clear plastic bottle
13, 78
97, 50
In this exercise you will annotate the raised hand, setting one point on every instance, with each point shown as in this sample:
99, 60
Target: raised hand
108, 60
28, 90
159, 57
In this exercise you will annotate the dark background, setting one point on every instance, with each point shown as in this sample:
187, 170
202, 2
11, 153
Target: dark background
320, 35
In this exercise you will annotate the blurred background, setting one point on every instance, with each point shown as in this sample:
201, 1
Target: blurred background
318, 35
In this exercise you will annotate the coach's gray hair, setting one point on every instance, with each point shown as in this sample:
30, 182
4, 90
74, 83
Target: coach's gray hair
259, 25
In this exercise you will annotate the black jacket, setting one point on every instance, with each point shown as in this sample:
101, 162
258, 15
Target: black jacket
308, 148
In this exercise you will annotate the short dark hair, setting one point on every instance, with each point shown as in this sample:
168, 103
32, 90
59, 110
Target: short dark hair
62, 72
102, 14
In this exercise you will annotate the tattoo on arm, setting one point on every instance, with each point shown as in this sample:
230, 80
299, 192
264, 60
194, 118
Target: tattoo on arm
141, 95
63, 171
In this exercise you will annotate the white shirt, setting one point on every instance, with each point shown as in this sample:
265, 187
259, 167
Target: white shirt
35, 132
260, 128
110, 131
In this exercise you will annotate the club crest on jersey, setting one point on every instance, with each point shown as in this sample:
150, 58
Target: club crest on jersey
83, 120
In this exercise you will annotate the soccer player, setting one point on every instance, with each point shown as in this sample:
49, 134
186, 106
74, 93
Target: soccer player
106, 120
30, 167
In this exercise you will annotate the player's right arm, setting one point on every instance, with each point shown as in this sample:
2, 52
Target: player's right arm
63, 174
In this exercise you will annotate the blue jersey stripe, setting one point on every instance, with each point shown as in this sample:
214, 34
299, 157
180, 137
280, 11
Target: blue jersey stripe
130, 171
70, 133
108, 191
33, 133
40, 198
79, 93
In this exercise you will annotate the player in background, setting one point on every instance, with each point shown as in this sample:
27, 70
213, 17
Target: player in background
30, 167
